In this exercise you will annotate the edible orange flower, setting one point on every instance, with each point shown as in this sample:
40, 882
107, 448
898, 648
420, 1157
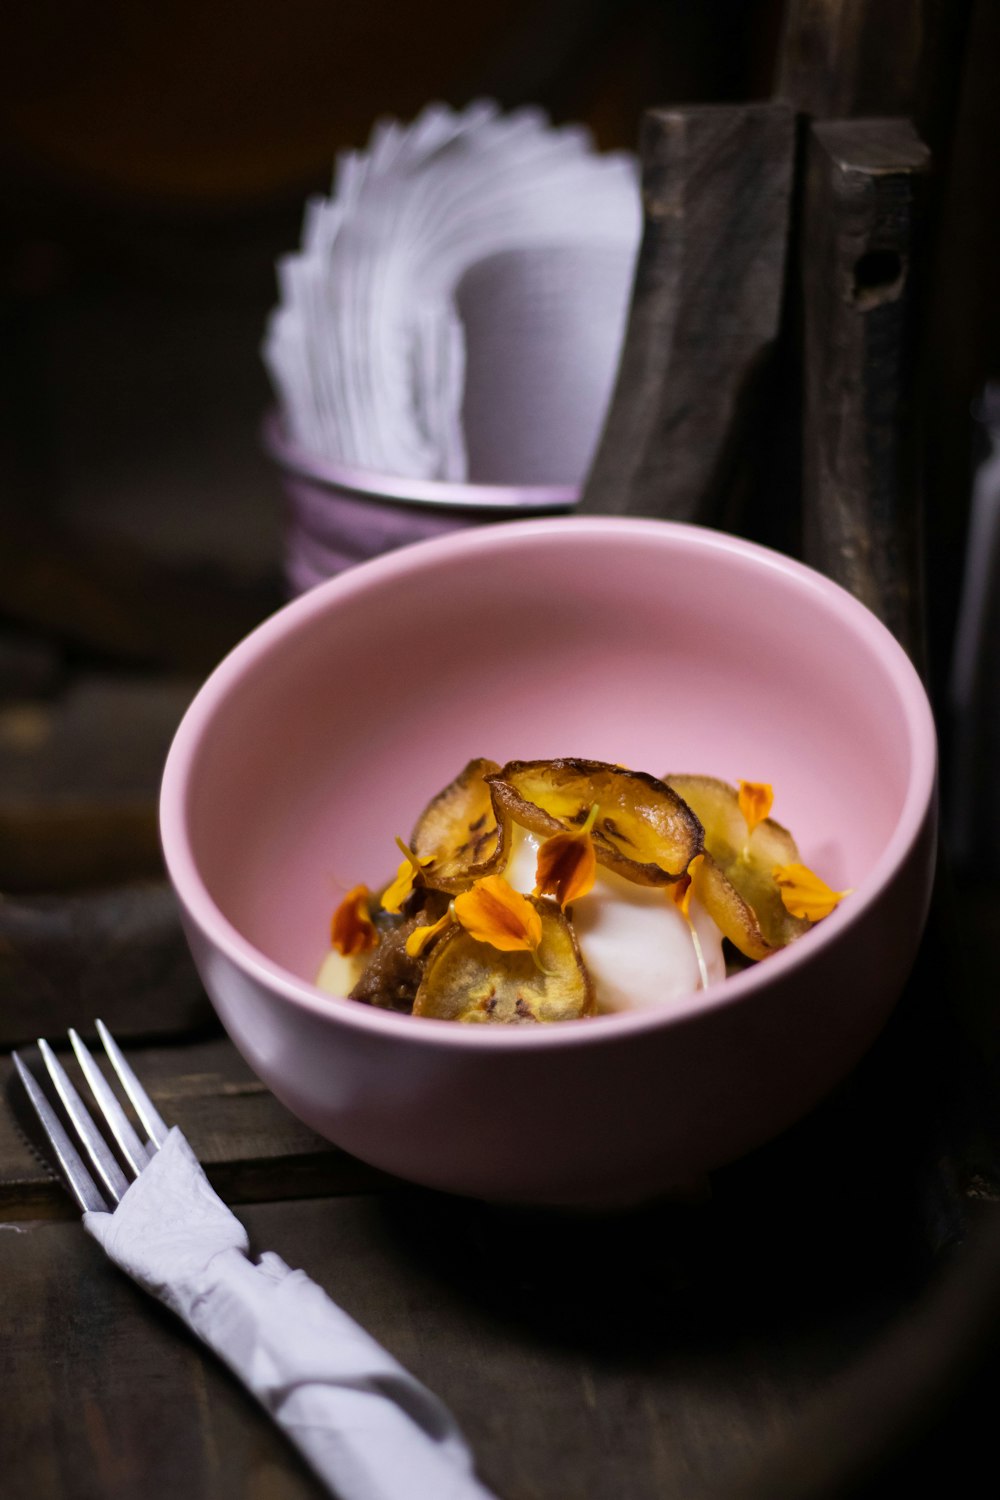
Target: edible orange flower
567, 864
351, 927
756, 799
421, 936
804, 894
406, 876
682, 890
493, 912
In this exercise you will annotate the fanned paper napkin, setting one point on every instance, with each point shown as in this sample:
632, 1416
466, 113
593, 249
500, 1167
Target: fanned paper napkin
457, 306
368, 1428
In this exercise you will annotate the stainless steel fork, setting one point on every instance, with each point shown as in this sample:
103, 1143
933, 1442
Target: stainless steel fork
369, 1429
111, 1184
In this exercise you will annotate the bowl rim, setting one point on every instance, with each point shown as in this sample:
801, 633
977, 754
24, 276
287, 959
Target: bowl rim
394, 489
919, 802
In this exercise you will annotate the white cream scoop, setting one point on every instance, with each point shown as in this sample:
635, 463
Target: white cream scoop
637, 945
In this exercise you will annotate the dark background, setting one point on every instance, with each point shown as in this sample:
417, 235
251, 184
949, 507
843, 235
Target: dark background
154, 161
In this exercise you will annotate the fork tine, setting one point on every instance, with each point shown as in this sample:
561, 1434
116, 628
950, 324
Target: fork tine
143, 1105
135, 1153
93, 1142
78, 1179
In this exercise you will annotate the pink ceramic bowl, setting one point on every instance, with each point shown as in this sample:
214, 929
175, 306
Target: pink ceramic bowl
666, 647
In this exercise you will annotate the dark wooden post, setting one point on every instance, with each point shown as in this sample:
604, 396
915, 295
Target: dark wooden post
706, 307
861, 511
929, 61
843, 59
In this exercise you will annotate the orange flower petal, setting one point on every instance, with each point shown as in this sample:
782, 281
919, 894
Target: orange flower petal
493, 912
406, 875
401, 887
756, 801
567, 865
804, 894
682, 890
421, 936
351, 927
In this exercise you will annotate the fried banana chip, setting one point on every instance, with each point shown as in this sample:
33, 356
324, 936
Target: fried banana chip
461, 832
734, 918
643, 830
751, 912
466, 980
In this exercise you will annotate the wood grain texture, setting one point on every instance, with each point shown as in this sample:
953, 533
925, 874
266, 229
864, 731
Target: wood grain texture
861, 248
841, 58
88, 925
565, 1385
646, 1356
115, 1400
705, 310
79, 781
118, 953
249, 1144
674, 1350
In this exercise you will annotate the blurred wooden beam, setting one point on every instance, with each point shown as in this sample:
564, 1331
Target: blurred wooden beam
120, 601
851, 58
118, 953
706, 306
79, 780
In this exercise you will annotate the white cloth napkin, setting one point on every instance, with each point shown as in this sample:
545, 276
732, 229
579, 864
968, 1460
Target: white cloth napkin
378, 315
368, 1428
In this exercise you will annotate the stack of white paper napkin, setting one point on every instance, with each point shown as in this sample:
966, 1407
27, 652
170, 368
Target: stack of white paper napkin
458, 304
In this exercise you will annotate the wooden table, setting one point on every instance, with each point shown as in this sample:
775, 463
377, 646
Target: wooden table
802, 1319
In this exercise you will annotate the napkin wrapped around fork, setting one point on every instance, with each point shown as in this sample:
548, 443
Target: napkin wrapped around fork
370, 1430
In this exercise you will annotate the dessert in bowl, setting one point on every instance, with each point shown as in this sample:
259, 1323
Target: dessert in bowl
627, 642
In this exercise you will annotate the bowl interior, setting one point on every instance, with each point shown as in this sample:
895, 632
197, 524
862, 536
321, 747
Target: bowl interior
666, 648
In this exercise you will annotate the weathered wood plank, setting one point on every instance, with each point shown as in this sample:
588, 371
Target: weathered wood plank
706, 306
111, 1397
860, 251
564, 1385
79, 781
121, 601
88, 925
648, 1356
842, 58
117, 953
250, 1145
671, 1351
